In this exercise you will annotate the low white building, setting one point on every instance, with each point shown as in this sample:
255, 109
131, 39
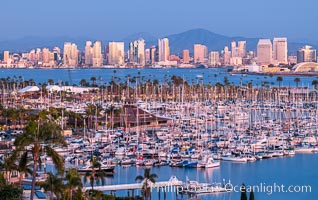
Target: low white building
70, 89
254, 68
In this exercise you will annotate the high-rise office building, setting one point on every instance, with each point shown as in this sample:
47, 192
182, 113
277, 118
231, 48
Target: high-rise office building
242, 49
88, 53
70, 55
264, 52
200, 53
238, 50
164, 49
116, 53
147, 56
280, 50
97, 56
226, 56
137, 52
6, 56
106, 53
153, 54
186, 56
234, 49
306, 54
46, 55
214, 58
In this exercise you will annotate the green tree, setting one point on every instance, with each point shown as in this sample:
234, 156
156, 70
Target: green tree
73, 181
147, 179
40, 137
10, 192
97, 175
297, 80
279, 80
315, 83
93, 79
53, 184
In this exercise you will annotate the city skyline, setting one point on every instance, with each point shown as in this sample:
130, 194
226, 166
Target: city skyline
53, 19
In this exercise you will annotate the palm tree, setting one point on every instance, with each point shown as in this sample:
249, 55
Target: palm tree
73, 181
146, 179
297, 80
93, 79
24, 166
8, 165
279, 80
54, 184
97, 175
40, 137
315, 83
83, 82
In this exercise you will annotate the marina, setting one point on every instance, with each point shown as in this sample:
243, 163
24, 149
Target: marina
178, 127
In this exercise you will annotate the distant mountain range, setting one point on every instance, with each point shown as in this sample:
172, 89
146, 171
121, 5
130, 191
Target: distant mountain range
178, 42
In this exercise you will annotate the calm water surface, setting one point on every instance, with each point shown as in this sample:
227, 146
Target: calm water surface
298, 170
212, 75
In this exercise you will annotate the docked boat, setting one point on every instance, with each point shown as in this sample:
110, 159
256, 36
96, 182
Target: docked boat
108, 169
234, 159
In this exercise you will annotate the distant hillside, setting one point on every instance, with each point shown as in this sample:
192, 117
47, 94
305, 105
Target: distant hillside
178, 42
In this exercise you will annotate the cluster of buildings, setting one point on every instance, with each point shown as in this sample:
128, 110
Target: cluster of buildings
268, 53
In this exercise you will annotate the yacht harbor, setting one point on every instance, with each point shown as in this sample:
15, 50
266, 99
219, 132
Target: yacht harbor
199, 128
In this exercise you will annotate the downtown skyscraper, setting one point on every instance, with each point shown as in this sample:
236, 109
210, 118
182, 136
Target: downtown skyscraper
137, 52
264, 52
280, 51
116, 53
164, 49
200, 53
70, 55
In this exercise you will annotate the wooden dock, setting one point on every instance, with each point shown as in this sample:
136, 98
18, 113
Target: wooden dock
173, 182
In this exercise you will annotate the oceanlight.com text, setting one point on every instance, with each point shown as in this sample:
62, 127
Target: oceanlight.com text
269, 189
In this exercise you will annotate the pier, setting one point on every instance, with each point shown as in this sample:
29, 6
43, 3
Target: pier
173, 182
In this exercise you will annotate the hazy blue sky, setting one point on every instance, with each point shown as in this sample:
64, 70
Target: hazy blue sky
115, 19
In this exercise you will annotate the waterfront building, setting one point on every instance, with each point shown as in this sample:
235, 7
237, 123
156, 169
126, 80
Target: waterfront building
106, 53
137, 52
306, 54
6, 56
175, 58
242, 49
70, 54
116, 53
154, 54
186, 56
97, 56
226, 56
200, 53
214, 58
164, 49
292, 59
235, 61
46, 55
56, 54
88, 53
147, 56
264, 52
280, 50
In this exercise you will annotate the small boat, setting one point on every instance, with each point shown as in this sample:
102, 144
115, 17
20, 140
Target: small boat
108, 169
128, 161
234, 159
191, 164
140, 161
149, 163
211, 163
